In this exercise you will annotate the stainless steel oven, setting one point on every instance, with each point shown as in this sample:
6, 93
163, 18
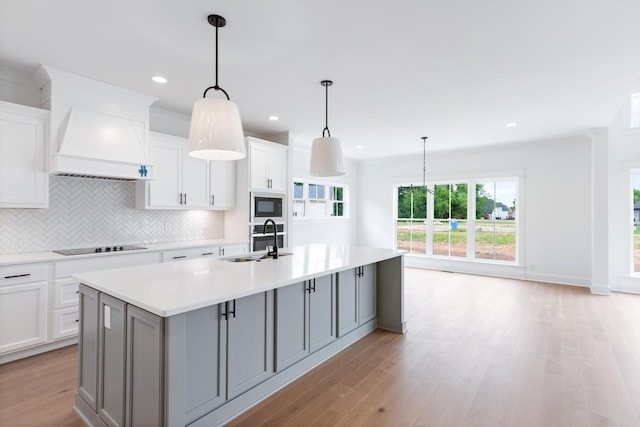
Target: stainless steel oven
267, 205
260, 240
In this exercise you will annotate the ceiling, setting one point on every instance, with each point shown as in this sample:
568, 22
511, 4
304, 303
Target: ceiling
456, 71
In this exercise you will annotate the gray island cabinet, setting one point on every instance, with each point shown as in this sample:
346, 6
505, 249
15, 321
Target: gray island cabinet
199, 343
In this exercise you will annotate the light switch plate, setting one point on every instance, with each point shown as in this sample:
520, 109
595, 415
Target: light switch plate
107, 317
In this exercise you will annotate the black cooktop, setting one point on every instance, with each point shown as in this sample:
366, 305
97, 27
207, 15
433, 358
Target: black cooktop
99, 250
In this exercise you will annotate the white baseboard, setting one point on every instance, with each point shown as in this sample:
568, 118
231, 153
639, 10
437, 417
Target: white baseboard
32, 351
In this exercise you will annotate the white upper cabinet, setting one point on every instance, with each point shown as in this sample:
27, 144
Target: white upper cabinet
268, 166
222, 185
24, 181
180, 181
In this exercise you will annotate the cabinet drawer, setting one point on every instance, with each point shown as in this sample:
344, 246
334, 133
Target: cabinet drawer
65, 293
65, 322
186, 253
22, 273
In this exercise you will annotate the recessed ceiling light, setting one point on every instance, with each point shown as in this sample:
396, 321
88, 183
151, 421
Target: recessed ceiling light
359, 147
159, 79
511, 125
274, 118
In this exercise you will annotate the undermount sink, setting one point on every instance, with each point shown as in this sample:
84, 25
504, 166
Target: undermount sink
255, 257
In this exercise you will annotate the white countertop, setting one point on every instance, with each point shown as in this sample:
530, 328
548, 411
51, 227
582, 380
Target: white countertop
30, 257
178, 287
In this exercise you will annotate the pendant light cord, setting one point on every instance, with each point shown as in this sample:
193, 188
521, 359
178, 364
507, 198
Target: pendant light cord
326, 84
216, 87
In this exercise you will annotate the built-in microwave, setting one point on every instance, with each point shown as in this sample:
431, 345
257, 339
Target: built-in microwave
267, 205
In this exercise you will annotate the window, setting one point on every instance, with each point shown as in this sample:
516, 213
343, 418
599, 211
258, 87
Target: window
450, 220
316, 200
444, 223
495, 220
412, 216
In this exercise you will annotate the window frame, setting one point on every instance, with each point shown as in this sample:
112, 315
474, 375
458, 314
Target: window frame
512, 176
328, 200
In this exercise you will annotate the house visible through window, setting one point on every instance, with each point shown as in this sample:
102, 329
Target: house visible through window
318, 200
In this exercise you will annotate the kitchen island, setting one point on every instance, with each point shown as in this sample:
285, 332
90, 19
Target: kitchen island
198, 342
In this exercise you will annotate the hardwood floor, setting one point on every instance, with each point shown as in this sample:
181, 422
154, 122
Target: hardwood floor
480, 351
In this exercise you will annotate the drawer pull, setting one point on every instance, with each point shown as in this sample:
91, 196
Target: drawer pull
77, 320
179, 257
207, 253
17, 275
77, 292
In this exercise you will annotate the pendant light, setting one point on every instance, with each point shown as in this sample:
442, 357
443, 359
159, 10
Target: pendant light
216, 130
326, 152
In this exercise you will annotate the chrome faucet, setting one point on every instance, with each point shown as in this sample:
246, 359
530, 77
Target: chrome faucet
274, 251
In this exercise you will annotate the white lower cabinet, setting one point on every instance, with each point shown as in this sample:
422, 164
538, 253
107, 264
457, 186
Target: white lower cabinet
64, 322
356, 298
23, 306
305, 319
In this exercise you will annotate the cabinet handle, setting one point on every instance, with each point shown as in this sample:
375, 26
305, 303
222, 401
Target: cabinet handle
180, 198
77, 292
227, 311
213, 200
222, 249
178, 257
313, 287
17, 275
77, 320
207, 253
185, 199
234, 309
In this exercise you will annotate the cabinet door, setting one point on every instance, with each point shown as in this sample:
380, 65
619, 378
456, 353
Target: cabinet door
347, 302
88, 347
322, 310
145, 368
204, 373
277, 170
24, 182
164, 189
222, 185
111, 364
258, 167
249, 342
366, 293
291, 324
233, 250
195, 174
22, 315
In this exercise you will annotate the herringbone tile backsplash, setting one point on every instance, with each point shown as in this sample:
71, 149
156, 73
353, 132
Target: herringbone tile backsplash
93, 212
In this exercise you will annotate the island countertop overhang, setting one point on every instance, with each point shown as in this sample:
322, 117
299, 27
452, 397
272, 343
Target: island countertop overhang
178, 287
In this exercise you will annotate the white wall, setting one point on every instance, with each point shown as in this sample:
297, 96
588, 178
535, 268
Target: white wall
554, 210
337, 231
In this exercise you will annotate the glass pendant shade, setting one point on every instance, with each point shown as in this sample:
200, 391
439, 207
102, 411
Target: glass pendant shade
216, 130
326, 157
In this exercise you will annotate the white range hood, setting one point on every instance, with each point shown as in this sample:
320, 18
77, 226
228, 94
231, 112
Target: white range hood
97, 130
